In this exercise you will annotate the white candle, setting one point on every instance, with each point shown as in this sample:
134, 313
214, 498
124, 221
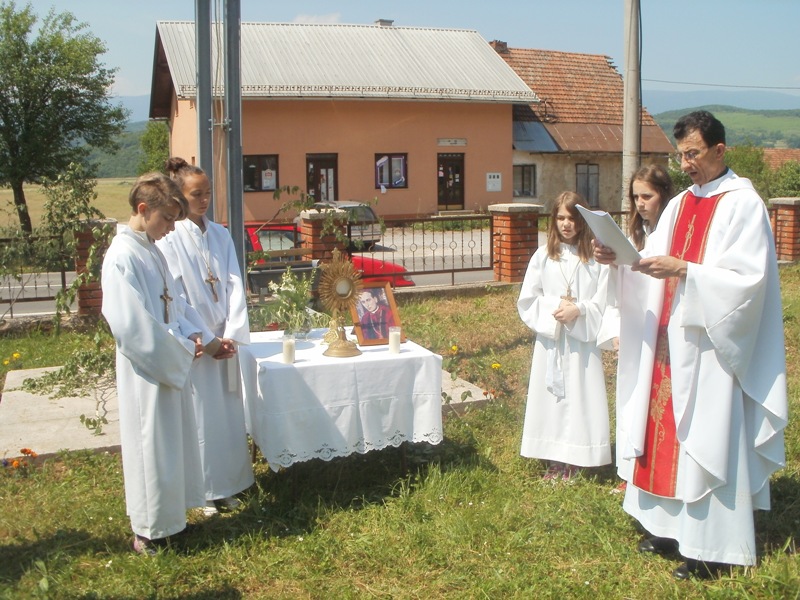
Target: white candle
394, 340
288, 348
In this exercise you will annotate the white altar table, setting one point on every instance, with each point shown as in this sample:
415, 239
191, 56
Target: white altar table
324, 407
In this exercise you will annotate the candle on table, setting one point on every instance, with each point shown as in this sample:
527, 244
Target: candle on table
288, 348
394, 340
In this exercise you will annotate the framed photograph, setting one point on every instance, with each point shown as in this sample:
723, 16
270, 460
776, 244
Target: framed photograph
373, 314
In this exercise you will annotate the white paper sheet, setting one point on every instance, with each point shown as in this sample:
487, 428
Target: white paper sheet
609, 234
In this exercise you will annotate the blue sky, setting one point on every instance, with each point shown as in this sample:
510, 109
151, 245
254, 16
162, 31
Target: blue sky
688, 45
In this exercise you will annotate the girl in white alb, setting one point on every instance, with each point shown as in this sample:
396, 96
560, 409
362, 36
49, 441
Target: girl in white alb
201, 257
562, 300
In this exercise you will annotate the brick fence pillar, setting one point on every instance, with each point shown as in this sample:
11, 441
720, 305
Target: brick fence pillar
786, 228
90, 295
515, 228
321, 245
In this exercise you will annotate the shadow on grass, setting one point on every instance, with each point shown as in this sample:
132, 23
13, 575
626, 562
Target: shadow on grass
292, 501
18, 558
777, 529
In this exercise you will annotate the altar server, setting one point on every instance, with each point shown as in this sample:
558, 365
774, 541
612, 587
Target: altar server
562, 300
158, 337
202, 259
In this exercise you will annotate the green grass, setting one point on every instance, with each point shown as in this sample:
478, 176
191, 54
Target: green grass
112, 201
471, 519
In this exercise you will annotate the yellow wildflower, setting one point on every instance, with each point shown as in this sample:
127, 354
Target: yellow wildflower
495, 365
453, 348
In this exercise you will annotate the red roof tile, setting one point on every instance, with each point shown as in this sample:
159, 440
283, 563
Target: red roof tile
777, 157
578, 89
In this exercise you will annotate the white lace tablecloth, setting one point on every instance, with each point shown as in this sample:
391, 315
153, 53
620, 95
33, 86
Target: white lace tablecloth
323, 407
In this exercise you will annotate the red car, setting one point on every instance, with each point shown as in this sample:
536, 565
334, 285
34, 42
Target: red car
268, 237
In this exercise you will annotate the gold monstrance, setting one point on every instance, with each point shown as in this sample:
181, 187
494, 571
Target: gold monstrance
339, 286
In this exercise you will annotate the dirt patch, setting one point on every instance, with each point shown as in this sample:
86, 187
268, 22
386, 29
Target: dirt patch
47, 324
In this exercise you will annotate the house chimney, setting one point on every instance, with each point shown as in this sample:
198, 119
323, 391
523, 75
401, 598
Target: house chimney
384, 22
499, 47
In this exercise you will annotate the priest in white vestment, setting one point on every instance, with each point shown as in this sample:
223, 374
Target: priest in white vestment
701, 385
158, 336
201, 257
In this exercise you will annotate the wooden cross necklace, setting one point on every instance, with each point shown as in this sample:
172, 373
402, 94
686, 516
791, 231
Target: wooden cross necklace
568, 294
211, 279
162, 268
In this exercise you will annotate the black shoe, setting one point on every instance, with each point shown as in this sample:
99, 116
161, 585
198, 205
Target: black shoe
658, 545
699, 569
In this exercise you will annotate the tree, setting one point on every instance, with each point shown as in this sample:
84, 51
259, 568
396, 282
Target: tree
54, 99
786, 181
748, 161
155, 145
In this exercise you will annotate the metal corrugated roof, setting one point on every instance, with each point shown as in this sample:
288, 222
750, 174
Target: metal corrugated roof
352, 61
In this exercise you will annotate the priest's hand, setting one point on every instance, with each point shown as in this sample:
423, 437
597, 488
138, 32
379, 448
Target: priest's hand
566, 312
603, 254
227, 349
661, 267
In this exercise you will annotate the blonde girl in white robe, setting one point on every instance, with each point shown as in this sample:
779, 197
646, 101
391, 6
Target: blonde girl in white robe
202, 259
158, 336
562, 300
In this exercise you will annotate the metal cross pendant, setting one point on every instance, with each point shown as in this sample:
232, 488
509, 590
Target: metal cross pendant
568, 296
211, 281
167, 299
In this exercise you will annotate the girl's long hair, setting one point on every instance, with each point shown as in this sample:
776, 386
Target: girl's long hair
583, 235
658, 177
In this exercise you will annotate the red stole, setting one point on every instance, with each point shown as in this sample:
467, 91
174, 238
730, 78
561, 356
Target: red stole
656, 470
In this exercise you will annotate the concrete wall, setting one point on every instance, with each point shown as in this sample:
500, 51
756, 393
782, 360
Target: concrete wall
555, 173
357, 130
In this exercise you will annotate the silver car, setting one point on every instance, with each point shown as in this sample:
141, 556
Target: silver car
363, 224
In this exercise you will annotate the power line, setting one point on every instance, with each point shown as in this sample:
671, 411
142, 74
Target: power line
750, 87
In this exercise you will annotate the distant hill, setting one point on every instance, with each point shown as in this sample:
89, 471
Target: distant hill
659, 101
766, 128
125, 161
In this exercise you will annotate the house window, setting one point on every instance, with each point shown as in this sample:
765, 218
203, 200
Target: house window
260, 173
390, 171
587, 183
524, 181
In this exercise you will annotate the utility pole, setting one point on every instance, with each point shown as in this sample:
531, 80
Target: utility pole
205, 125
632, 101
233, 127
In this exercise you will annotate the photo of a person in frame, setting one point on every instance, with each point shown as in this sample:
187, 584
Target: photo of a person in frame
375, 315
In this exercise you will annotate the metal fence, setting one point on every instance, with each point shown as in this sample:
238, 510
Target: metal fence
22, 281
433, 246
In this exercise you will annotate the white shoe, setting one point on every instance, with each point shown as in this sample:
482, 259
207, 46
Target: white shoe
210, 509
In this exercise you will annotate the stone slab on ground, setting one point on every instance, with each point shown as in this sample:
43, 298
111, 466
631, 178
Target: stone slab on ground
48, 426
459, 395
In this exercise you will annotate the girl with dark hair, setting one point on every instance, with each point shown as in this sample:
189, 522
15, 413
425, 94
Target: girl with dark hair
648, 192
201, 257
